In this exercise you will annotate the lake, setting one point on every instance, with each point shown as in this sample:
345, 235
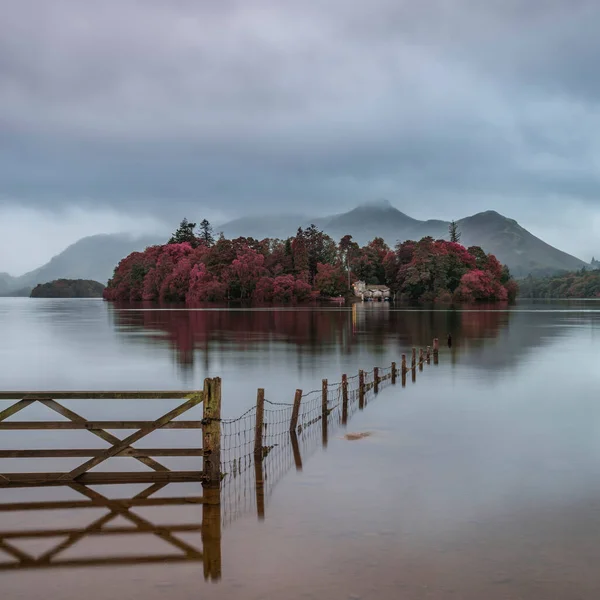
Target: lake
479, 481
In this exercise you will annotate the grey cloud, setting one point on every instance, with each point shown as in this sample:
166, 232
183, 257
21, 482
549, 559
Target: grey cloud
257, 105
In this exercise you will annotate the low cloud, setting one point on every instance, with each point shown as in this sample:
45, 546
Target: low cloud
172, 108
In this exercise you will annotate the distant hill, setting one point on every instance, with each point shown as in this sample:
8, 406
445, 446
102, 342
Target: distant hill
512, 244
68, 288
94, 257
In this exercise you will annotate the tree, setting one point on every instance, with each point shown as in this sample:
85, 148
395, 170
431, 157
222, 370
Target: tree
454, 232
206, 233
185, 233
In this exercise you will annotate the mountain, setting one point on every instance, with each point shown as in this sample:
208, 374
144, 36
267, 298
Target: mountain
94, 257
512, 244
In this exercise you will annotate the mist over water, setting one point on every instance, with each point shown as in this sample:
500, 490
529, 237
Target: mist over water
478, 481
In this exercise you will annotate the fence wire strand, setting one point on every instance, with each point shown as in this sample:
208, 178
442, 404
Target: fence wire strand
281, 450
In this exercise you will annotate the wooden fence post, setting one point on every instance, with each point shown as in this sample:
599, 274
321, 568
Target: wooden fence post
428, 355
414, 359
361, 389
344, 399
421, 360
211, 432
436, 350
260, 419
324, 411
393, 373
296, 411
376, 379
259, 484
403, 370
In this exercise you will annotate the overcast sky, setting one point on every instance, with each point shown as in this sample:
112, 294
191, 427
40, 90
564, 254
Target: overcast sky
129, 114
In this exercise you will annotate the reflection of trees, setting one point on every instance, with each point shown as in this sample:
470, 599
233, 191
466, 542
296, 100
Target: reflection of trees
318, 331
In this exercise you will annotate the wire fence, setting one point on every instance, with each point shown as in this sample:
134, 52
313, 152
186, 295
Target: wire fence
251, 470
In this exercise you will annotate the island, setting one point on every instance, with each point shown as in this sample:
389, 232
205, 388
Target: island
68, 288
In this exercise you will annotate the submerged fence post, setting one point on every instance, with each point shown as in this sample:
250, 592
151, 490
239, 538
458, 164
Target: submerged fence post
260, 419
324, 411
421, 359
296, 450
428, 355
259, 484
361, 389
436, 350
403, 370
296, 411
376, 379
393, 372
344, 399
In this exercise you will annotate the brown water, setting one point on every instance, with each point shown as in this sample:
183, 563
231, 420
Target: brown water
478, 482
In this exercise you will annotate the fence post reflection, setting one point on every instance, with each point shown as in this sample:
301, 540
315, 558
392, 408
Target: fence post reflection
296, 450
211, 534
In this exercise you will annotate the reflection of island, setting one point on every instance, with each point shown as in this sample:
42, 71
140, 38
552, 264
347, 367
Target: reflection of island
485, 337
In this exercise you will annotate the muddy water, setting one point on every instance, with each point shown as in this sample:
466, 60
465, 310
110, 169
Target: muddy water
478, 481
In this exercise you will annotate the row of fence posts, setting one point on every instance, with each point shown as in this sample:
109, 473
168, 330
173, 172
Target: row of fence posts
259, 450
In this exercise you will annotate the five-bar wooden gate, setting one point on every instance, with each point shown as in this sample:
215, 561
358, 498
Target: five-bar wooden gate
81, 477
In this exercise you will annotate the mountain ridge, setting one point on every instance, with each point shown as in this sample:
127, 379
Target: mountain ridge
95, 257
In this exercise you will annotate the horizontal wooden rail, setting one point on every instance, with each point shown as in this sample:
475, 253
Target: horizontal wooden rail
125, 503
129, 452
99, 395
8, 480
117, 530
23, 425
96, 562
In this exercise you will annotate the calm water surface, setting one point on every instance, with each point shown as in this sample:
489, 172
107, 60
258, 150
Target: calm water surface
480, 481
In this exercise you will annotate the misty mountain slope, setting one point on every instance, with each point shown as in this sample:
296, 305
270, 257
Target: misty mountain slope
94, 257
513, 245
263, 226
369, 220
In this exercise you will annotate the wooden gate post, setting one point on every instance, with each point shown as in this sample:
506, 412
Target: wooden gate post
403, 370
344, 399
361, 389
260, 419
393, 373
421, 359
211, 432
296, 411
376, 379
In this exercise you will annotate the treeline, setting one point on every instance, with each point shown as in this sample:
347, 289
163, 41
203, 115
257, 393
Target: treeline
194, 267
578, 284
68, 288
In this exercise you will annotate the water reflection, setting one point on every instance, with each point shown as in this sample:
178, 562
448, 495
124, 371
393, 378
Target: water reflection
249, 480
317, 331
487, 337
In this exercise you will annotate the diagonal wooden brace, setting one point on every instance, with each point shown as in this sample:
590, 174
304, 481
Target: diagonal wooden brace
134, 437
